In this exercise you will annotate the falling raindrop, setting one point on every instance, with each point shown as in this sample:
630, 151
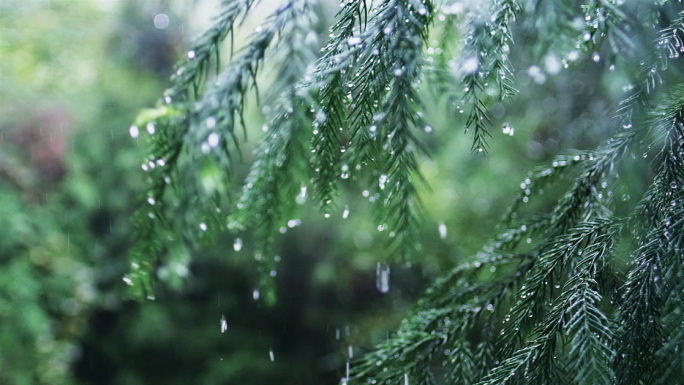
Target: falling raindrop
237, 244
345, 213
382, 276
224, 324
271, 355
134, 131
255, 294
442, 231
301, 198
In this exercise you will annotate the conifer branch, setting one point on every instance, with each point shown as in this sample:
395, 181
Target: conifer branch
488, 45
271, 188
603, 20
331, 103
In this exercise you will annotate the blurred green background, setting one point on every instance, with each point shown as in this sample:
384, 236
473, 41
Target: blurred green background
74, 73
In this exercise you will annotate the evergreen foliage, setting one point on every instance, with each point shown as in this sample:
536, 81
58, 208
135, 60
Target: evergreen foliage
548, 300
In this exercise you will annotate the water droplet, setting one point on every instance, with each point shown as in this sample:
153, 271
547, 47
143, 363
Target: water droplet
203, 226
382, 181
354, 40
596, 57
161, 21
301, 197
442, 231
454, 8
294, 222
205, 148
398, 72
345, 213
134, 131
191, 54
271, 355
255, 294
128, 281
428, 129
382, 275
211, 122
224, 324
273, 273
237, 244
507, 129
151, 201
470, 65
213, 139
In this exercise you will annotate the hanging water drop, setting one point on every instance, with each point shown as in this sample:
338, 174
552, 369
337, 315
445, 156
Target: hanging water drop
205, 148
203, 226
237, 244
191, 54
354, 40
382, 276
150, 128
382, 181
213, 139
